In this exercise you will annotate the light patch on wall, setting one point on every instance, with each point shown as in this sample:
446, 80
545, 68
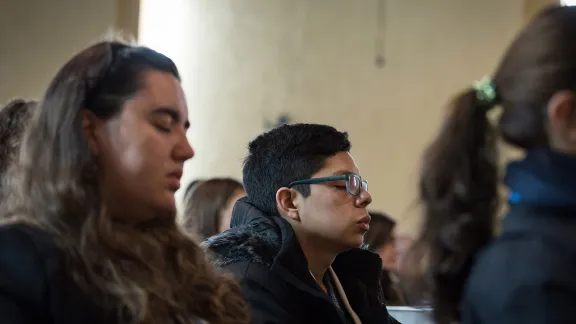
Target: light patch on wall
246, 62
163, 26
569, 2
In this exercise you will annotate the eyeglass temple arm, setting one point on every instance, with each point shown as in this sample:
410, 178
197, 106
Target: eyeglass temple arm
318, 180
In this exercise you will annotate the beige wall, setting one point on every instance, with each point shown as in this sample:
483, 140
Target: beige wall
247, 61
244, 62
38, 36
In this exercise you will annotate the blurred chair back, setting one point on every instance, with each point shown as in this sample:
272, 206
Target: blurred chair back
411, 315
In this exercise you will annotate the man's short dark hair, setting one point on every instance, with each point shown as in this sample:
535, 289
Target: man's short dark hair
14, 118
285, 154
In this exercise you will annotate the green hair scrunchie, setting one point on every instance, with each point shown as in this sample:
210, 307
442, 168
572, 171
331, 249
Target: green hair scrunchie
485, 91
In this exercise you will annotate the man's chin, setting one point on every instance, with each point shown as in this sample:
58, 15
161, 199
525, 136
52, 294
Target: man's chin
352, 244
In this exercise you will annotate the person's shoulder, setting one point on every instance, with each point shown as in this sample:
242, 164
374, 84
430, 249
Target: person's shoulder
24, 237
265, 291
520, 252
347, 263
248, 271
501, 256
22, 243
27, 257
520, 272
508, 264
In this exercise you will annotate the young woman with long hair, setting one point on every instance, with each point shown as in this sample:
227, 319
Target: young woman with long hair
526, 275
92, 237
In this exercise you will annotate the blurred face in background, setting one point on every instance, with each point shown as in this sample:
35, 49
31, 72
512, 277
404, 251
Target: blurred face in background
403, 245
226, 213
209, 205
381, 238
389, 254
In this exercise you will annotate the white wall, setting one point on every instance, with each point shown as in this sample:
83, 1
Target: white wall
247, 61
38, 36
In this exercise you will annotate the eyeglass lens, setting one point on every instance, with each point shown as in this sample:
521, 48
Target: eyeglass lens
355, 183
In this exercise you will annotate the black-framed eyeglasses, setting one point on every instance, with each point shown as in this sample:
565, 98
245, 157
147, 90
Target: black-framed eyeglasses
354, 183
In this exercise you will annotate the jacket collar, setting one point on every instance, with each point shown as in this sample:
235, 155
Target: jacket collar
543, 178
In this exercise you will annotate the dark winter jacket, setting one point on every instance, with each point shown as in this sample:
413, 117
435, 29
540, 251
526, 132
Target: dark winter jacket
262, 252
35, 287
528, 275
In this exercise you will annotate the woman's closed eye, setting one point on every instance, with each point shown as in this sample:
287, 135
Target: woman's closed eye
163, 124
163, 128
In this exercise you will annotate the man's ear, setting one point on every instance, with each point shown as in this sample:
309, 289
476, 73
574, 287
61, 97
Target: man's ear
285, 198
92, 127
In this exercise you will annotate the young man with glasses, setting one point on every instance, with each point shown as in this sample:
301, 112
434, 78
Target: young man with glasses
294, 242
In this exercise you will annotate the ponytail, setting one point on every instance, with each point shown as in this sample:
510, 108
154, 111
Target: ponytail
458, 191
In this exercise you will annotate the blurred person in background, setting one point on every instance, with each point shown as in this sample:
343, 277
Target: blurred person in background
93, 238
403, 245
191, 186
526, 275
14, 119
381, 239
209, 205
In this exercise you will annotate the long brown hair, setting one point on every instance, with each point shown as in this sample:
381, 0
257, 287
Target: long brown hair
205, 202
151, 272
459, 177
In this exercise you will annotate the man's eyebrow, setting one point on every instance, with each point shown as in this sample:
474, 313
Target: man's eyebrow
342, 172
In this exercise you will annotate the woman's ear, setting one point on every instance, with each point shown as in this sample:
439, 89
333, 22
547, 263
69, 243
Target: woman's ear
285, 201
91, 126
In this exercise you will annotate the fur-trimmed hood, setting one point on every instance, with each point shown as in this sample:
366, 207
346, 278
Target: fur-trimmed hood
254, 237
